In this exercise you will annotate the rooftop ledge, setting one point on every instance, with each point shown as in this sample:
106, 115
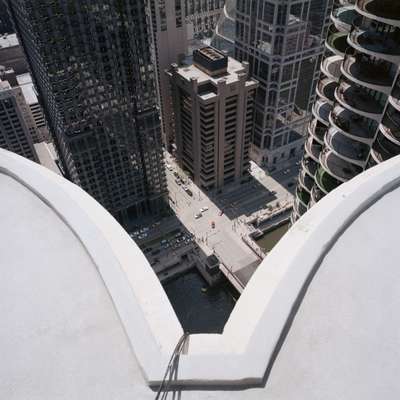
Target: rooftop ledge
262, 318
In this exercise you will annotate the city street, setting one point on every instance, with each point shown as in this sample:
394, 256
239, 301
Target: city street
222, 223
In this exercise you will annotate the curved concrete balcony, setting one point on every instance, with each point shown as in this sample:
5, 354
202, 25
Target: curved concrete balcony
396, 92
390, 126
309, 165
336, 42
339, 168
306, 181
371, 161
303, 196
352, 124
326, 89
386, 11
299, 208
346, 148
374, 74
374, 159
294, 217
321, 111
384, 149
386, 132
317, 130
343, 18
331, 67
313, 148
325, 182
383, 45
316, 194
359, 101
395, 101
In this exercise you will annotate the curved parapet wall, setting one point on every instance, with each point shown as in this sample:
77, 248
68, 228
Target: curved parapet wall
277, 331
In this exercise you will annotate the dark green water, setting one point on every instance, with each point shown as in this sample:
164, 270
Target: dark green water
271, 238
198, 311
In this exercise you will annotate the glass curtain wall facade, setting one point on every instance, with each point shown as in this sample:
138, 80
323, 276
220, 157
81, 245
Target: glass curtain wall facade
225, 31
91, 64
203, 15
283, 42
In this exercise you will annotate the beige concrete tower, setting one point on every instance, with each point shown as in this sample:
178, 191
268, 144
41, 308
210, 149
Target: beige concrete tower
15, 122
169, 30
213, 105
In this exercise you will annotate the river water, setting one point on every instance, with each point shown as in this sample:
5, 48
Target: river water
199, 308
202, 309
271, 238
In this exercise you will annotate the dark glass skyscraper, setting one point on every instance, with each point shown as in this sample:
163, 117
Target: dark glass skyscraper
91, 63
5, 23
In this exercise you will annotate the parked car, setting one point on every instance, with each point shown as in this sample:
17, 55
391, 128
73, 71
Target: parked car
203, 209
198, 215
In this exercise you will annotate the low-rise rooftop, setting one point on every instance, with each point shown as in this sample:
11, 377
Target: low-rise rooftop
233, 69
27, 87
8, 40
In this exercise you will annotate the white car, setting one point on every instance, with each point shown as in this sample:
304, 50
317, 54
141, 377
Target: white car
202, 209
198, 215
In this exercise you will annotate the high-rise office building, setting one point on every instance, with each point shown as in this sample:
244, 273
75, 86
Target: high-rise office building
91, 64
202, 16
33, 115
170, 43
225, 30
15, 116
214, 103
39, 130
5, 23
177, 26
283, 43
356, 117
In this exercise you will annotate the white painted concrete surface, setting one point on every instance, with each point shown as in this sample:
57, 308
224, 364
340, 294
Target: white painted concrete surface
83, 316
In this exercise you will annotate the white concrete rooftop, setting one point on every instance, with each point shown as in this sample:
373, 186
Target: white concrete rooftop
8, 40
47, 156
83, 316
28, 90
231, 76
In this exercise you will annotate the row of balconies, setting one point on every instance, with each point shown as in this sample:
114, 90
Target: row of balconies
370, 72
352, 124
349, 149
367, 103
306, 181
343, 17
325, 181
381, 41
387, 11
354, 93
